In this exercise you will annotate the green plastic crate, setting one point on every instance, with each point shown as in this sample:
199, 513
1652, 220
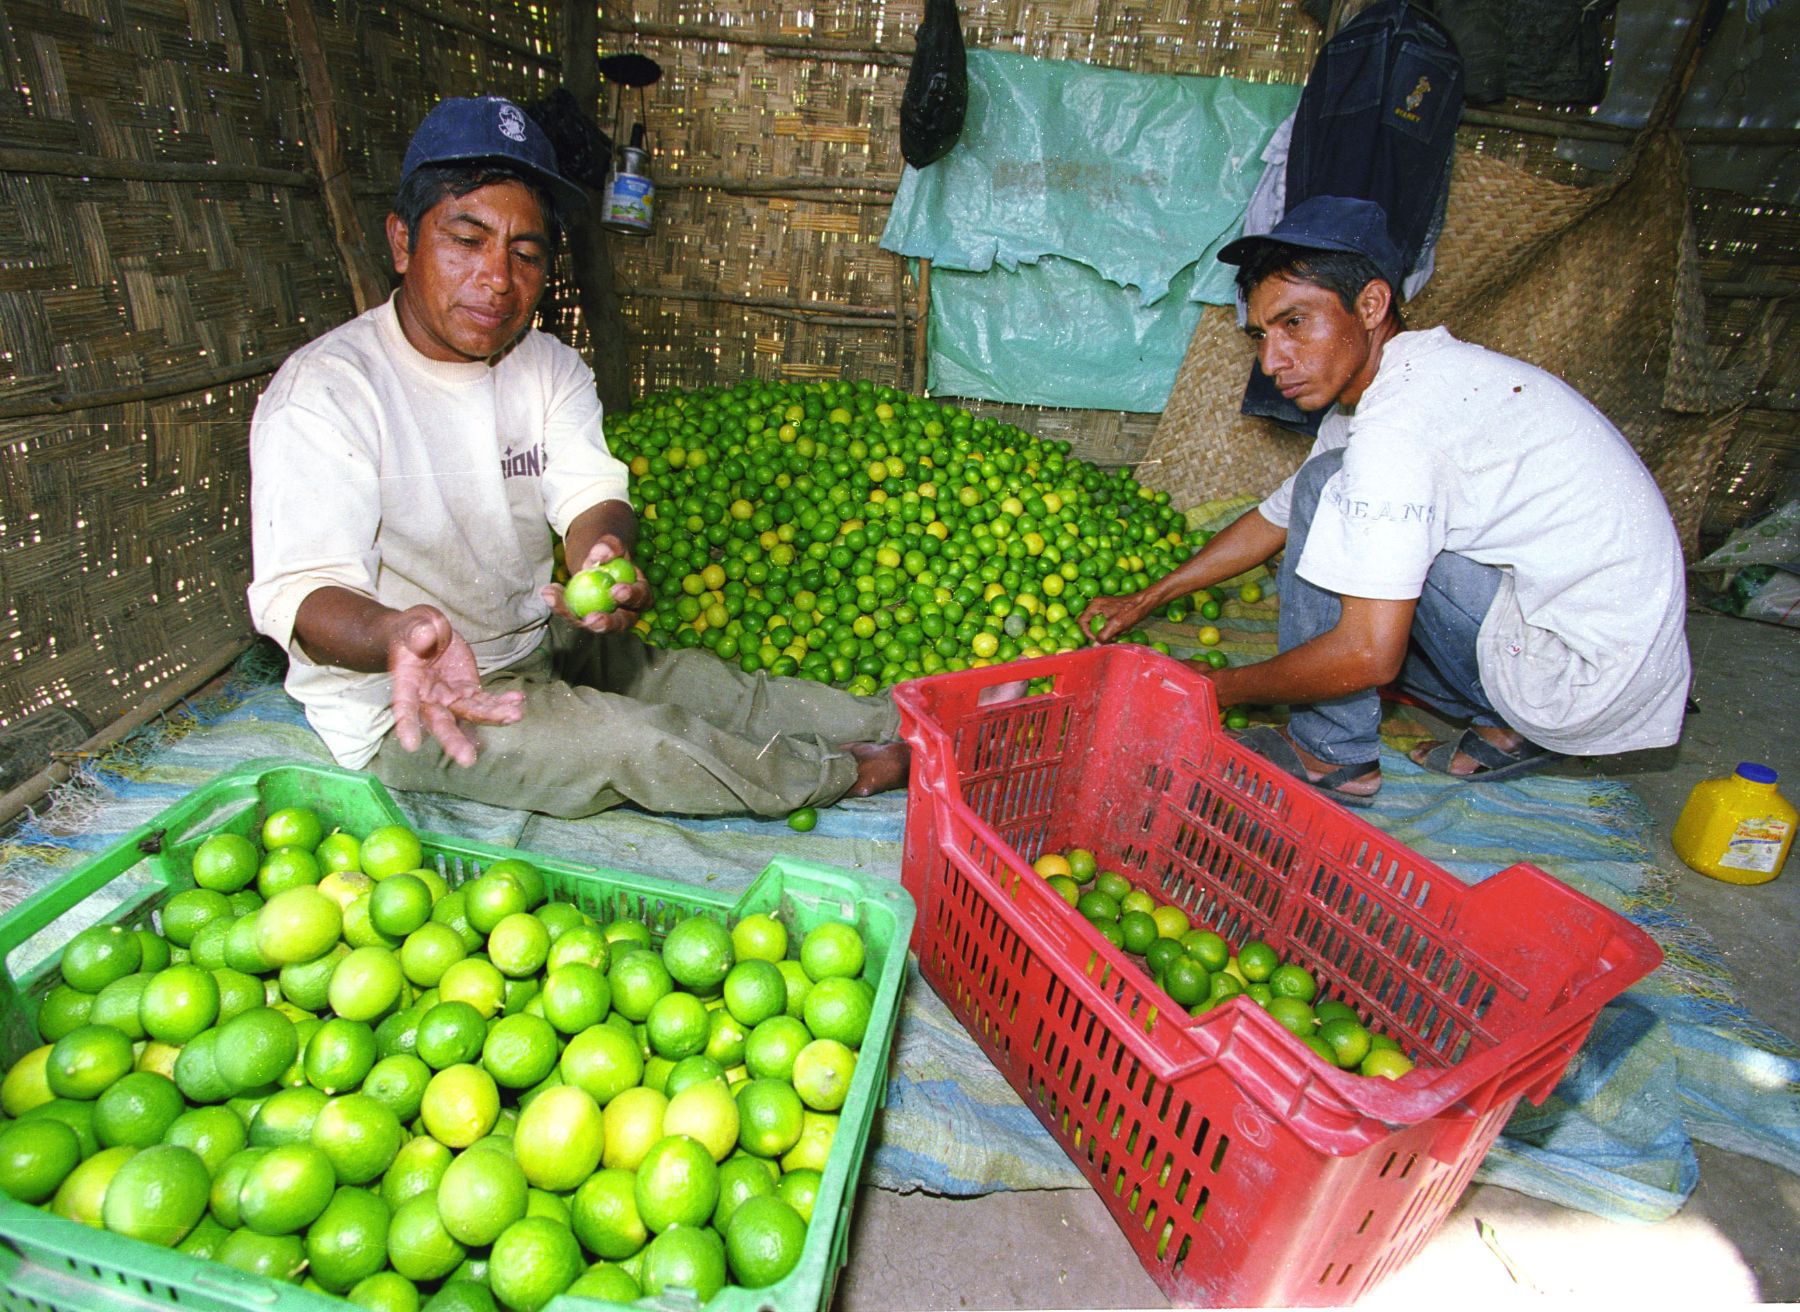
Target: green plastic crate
47, 1262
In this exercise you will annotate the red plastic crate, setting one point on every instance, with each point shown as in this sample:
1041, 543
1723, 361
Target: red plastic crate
1243, 1169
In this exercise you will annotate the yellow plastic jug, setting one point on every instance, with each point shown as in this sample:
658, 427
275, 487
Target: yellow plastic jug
1738, 828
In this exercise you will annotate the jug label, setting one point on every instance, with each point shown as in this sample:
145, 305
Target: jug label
1756, 844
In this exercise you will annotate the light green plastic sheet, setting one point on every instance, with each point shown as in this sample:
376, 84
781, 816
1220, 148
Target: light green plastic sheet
1073, 229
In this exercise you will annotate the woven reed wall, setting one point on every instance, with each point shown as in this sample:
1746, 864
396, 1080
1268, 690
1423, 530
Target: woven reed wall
163, 247
129, 298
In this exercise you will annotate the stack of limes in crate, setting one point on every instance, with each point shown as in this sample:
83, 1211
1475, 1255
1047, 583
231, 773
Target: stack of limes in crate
325, 1065
1201, 970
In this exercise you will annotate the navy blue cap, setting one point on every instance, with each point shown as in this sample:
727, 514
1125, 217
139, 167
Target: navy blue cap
1331, 223
464, 128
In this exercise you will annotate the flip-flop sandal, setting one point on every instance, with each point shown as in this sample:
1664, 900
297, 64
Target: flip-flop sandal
1273, 746
1490, 762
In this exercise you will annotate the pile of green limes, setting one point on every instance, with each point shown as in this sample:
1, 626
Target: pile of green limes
325, 1066
858, 535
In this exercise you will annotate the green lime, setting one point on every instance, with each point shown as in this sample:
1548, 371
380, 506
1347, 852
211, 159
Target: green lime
764, 1241
286, 1188
520, 1050
698, 954
62, 1010
36, 1156
803, 821
366, 984
830, 949
196, 1071
450, 1033
482, 1193
226, 862
359, 1134
137, 1110
85, 1061
419, 1247
292, 826
429, 951
534, 1260
99, 955
339, 1055
157, 1195
255, 1048
216, 1134
677, 1183
187, 912
687, 1257
278, 1257
286, 1117
398, 1082
179, 1002
606, 1214
78, 1116
400, 904
82, 1194
519, 945
348, 1241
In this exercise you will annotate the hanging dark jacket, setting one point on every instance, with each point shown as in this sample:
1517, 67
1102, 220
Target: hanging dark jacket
1376, 121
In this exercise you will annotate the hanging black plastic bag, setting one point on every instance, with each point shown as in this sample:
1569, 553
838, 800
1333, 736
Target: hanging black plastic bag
937, 87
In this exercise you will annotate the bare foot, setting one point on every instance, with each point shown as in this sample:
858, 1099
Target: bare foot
1462, 764
879, 766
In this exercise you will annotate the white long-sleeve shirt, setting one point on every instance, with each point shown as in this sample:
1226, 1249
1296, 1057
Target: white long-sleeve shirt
413, 481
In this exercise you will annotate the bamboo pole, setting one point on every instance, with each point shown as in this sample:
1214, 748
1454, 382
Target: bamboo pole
899, 320
870, 313
922, 328
72, 164
590, 247
826, 48
753, 186
62, 403
368, 284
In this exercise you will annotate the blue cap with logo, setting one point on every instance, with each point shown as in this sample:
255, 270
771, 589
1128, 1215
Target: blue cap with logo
465, 128
1331, 223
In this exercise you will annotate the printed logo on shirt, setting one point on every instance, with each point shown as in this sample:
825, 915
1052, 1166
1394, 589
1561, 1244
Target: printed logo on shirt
1396, 512
1414, 99
528, 463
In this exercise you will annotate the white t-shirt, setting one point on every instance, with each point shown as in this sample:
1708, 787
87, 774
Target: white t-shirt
414, 481
1457, 448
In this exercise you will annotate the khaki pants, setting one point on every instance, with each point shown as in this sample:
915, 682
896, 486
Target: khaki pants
610, 720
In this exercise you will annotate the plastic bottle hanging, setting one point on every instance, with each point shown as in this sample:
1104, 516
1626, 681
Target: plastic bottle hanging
630, 194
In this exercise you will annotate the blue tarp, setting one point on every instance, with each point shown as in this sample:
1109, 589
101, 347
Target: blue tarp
1073, 229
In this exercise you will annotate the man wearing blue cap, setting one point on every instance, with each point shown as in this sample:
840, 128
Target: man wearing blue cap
408, 471
1467, 526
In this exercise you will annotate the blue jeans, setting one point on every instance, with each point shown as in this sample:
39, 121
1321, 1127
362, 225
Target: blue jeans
1440, 667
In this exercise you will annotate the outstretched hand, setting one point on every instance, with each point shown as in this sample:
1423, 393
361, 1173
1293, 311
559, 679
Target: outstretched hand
437, 686
631, 599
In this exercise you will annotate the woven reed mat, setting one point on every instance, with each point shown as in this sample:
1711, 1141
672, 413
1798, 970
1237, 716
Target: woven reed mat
1600, 286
